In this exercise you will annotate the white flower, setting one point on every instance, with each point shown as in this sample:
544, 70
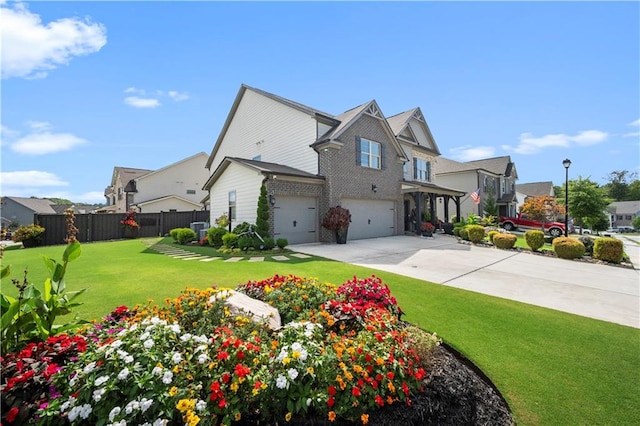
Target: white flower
89, 368
161, 422
97, 394
100, 381
303, 354
201, 339
68, 403
281, 382
176, 358
148, 344
174, 327
122, 332
156, 371
167, 377
73, 414
185, 337
145, 404
200, 348
201, 405
122, 375
145, 335
114, 412
292, 373
116, 344
308, 402
131, 406
202, 358
85, 411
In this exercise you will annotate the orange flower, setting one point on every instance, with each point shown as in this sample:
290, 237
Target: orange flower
364, 418
332, 416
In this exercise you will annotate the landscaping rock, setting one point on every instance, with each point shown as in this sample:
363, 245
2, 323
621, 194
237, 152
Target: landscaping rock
258, 311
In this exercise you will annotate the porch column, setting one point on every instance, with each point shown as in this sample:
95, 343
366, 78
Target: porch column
458, 209
418, 213
446, 208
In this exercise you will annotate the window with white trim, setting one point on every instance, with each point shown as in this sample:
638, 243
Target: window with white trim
422, 170
232, 205
370, 154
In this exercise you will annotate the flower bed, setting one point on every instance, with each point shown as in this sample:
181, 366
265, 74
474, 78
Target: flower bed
342, 355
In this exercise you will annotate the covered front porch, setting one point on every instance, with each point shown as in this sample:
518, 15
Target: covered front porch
420, 200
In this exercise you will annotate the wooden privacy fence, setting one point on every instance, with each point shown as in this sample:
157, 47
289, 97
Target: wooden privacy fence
107, 226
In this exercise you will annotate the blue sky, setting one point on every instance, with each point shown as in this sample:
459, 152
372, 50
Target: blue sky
87, 86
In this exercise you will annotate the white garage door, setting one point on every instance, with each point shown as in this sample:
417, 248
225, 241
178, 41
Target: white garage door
296, 219
370, 218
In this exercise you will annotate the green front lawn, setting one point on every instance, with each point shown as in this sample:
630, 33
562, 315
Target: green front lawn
552, 367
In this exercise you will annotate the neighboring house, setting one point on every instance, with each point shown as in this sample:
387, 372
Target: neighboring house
496, 176
621, 213
310, 160
176, 187
533, 189
19, 210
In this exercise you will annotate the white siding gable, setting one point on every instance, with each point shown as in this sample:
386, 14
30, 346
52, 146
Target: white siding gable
184, 179
246, 182
421, 137
272, 131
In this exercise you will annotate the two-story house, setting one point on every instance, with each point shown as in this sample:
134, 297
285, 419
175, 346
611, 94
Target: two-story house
532, 189
176, 187
310, 160
495, 177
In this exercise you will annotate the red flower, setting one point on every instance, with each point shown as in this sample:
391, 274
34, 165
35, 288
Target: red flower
11, 415
332, 390
379, 400
226, 377
222, 356
222, 403
241, 370
355, 392
331, 401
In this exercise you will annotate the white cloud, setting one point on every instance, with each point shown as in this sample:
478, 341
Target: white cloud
529, 144
30, 48
470, 153
39, 125
631, 135
137, 102
7, 133
41, 143
177, 96
635, 123
30, 179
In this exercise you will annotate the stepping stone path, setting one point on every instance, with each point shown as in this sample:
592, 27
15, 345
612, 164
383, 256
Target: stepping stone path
178, 253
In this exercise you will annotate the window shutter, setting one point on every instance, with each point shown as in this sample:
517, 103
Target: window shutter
415, 168
383, 157
358, 150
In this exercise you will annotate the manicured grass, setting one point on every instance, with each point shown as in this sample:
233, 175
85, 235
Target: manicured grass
552, 367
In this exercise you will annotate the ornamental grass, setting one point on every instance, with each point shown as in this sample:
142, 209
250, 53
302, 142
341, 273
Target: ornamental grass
344, 355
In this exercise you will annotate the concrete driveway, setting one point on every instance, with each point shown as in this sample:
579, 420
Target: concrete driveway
607, 293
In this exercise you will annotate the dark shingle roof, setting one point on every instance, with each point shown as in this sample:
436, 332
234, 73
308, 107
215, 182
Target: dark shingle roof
534, 189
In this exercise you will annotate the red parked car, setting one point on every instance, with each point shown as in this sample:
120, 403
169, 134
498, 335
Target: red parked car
522, 221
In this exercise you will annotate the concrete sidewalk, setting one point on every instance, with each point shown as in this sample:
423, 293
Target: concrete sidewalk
603, 292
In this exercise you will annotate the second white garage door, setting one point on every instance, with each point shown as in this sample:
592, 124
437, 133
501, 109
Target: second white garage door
370, 218
295, 218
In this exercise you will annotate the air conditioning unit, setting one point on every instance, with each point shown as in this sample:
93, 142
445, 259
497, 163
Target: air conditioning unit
202, 234
198, 226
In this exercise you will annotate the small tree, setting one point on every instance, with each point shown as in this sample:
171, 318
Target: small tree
490, 207
636, 222
587, 202
262, 214
541, 208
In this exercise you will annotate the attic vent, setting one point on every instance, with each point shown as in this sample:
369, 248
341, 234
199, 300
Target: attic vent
418, 115
373, 110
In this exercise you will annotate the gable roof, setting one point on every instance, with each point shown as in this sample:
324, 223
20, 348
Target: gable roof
399, 124
295, 105
534, 189
184, 160
625, 207
127, 173
498, 166
37, 205
165, 197
260, 166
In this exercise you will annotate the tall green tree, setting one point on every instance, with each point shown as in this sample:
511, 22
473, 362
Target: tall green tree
587, 202
618, 185
262, 214
490, 207
634, 191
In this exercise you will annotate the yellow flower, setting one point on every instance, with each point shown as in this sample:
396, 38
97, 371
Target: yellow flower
364, 418
173, 391
234, 387
286, 360
295, 354
238, 416
310, 370
287, 417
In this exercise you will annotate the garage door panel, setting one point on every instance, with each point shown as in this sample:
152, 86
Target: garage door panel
295, 218
370, 218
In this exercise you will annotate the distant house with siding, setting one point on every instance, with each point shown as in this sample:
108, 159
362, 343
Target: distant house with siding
533, 189
621, 213
20, 210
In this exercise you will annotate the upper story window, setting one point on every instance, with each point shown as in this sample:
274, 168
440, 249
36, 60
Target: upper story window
370, 154
257, 158
232, 205
422, 170
191, 192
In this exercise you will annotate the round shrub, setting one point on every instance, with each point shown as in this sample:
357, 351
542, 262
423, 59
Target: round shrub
588, 244
174, 233
504, 241
245, 242
608, 249
534, 239
269, 243
186, 235
476, 233
242, 227
568, 248
215, 235
464, 233
230, 240
282, 243
491, 235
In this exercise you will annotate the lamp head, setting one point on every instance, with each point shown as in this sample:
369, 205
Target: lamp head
566, 163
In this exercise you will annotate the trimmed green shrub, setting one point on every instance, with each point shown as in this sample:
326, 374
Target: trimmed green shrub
269, 243
491, 235
504, 241
245, 242
534, 239
174, 233
215, 235
230, 240
568, 248
588, 244
475, 233
464, 233
282, 243
608, 249
242, 227
186, 235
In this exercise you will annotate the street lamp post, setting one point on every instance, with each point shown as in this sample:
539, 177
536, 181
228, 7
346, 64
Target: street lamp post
566, 163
